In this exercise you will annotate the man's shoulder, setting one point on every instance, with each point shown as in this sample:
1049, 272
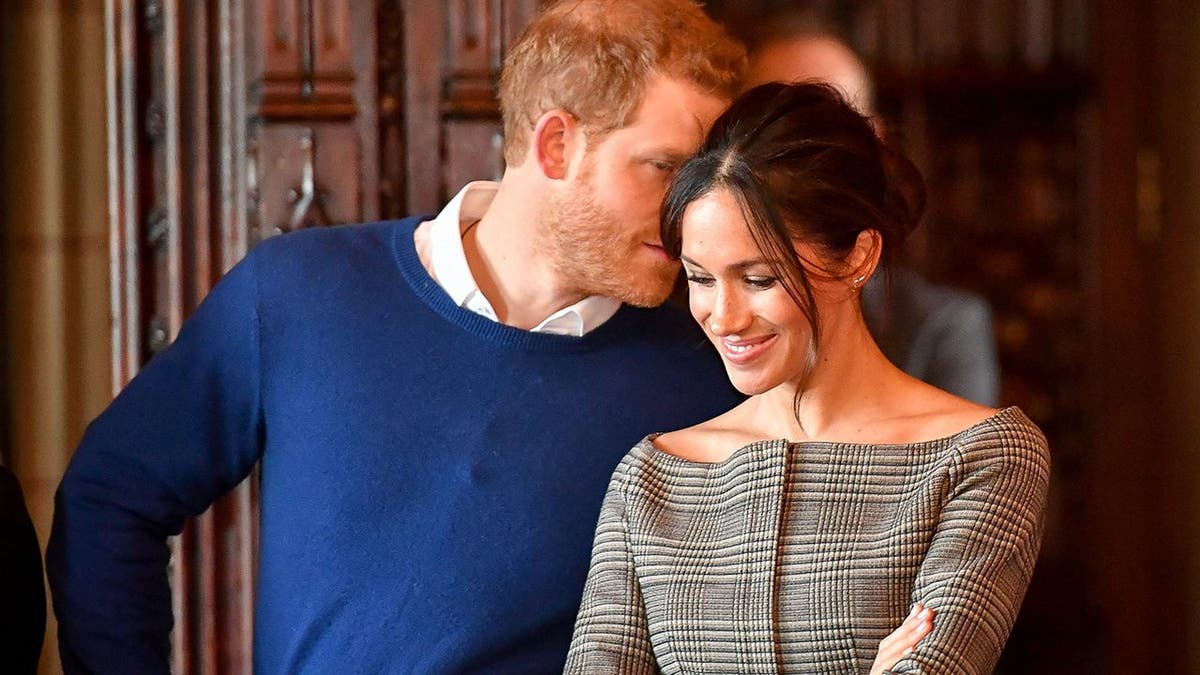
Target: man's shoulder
322, 256
325, 242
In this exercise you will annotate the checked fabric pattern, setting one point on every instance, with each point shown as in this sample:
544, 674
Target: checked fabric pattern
801, 557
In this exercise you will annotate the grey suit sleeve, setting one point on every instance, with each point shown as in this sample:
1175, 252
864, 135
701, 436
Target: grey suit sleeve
981, 558
611, 634
962, 351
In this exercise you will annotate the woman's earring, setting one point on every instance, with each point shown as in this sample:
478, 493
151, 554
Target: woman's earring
858, 282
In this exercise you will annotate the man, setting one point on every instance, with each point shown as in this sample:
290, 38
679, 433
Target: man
935, 333
437, 405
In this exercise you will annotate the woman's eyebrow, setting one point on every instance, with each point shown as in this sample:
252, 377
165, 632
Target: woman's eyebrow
740, 265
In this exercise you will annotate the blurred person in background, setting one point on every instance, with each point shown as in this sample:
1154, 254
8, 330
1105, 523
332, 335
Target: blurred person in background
935, 333
22, 591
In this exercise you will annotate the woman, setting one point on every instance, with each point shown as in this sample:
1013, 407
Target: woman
793, 532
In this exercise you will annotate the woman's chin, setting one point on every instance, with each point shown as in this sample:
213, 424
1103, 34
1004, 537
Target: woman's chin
748, 386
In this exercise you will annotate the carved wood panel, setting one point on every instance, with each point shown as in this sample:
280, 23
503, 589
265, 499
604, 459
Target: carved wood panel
299, 181
312, 117
306, 58
473, 52
451, 118
390, 80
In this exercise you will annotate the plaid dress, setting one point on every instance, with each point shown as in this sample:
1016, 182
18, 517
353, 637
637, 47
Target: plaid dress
801, 557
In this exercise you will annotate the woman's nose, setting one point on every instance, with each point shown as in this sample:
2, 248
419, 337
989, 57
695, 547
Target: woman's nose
729, 313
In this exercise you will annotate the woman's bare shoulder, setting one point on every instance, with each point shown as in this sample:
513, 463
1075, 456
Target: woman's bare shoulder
935, 413
710, 441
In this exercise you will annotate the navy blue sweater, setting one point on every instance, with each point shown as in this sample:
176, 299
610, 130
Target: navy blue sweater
430, 479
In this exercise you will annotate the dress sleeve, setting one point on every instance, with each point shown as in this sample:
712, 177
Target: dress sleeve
981, 558
186, 430
611, 634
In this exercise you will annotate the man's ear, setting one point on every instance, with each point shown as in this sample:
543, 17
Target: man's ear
554, 139
864, 257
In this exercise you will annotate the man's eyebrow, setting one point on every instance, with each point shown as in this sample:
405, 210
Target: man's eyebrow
675, 156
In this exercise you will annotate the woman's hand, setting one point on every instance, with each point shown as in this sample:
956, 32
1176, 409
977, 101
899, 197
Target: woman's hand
902, 640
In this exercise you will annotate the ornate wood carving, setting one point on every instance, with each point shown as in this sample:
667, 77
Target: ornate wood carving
515, 15
390, 77
451, 120
313, 119
124, 174
424, 59
307, 70
311, 166
474, 44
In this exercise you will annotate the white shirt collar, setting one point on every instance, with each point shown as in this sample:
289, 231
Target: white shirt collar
449, 266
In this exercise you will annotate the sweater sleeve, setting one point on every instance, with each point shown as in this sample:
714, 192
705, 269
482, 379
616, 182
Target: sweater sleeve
981, 558
185, 431
611, 634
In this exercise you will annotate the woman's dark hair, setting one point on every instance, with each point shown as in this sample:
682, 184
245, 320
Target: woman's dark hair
804, 166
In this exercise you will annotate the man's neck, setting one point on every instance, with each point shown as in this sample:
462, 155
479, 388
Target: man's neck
510, 266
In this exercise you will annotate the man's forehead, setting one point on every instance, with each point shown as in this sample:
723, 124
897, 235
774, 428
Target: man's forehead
677, 104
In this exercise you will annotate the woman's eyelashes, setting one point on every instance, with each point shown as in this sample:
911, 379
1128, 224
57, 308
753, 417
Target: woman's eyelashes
755, 282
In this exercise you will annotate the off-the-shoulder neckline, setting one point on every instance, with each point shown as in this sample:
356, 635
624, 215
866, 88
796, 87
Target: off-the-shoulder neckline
1010, 412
